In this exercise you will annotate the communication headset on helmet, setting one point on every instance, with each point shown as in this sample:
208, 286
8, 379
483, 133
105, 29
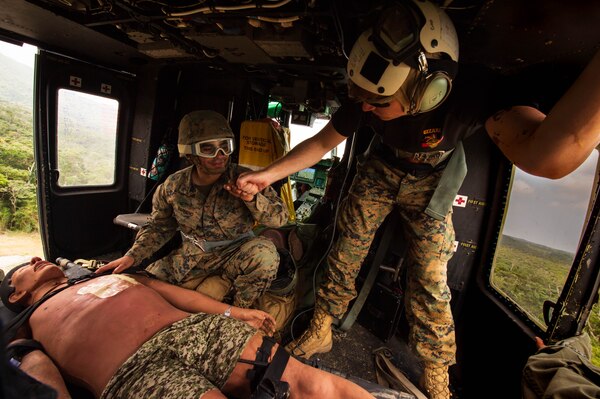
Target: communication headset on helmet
382, 59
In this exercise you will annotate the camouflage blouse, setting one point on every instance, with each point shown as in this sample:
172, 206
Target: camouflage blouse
180, 205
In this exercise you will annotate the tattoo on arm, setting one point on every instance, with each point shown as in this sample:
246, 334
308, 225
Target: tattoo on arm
502, 129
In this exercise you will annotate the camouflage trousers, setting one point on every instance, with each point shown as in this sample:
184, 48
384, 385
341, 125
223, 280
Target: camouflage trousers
376, 190
249, 265
185, 360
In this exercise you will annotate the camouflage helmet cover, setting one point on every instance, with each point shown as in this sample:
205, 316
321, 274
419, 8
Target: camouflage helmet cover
203, 125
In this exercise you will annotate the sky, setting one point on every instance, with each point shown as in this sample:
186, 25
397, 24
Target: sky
300, 133
551, 212
24, 55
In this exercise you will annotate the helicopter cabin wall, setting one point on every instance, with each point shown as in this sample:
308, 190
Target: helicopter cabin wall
492, 345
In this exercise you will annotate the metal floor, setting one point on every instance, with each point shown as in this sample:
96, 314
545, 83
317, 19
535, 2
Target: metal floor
352, 354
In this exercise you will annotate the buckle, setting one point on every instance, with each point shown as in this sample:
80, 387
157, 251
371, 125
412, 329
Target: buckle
199, 243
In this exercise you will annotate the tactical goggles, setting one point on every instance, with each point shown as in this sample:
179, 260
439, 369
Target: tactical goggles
208, 148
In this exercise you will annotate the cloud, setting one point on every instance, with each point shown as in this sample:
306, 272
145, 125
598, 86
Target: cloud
551, 212
520, 186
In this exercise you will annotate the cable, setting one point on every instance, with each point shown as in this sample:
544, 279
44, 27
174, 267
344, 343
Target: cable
226, 8
337, 208
338, 27
286, 20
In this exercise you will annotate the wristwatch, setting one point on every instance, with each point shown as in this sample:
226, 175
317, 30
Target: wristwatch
227, 312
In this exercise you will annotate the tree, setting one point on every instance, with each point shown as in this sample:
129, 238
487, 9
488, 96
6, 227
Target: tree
18, 205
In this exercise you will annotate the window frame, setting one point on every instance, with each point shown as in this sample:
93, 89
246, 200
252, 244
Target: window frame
56, 146
580, 290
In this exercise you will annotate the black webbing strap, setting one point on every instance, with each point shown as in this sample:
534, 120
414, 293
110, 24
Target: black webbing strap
271, 385
265, 377
23, 347
11, 328
256, 374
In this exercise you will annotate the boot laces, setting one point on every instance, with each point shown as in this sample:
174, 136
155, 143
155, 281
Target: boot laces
314, 329
436, 382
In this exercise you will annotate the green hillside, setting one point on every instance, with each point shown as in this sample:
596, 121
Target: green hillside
76, 139
530, 273
16, 82
18, 209
537, 250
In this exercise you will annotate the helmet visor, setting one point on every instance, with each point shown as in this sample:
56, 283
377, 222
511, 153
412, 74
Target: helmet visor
208, 148
396, 34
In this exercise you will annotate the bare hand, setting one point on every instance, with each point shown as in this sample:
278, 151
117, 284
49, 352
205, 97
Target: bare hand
539, 343
237, 192
252, 182
256, 318
119, 265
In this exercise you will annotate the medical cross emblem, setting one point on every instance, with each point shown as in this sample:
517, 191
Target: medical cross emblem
455, 246
75, 81
460, 201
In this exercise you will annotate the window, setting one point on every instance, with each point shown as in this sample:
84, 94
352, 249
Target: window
299, 133
86, 139
543, 224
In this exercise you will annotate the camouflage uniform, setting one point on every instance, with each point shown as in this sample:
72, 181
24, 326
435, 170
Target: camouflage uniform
185, 360
375, 191
250, 264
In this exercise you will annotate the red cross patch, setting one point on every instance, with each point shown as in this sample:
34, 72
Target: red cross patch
75, 81
106, 89
460, 201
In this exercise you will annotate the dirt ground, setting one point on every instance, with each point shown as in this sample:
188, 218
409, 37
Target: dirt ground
12, 243
16, 248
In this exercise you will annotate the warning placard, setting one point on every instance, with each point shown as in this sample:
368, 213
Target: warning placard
259, 145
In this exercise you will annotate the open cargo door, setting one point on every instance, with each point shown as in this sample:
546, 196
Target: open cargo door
82, 121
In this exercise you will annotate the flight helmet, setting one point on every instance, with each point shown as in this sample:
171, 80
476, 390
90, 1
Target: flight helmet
411, 54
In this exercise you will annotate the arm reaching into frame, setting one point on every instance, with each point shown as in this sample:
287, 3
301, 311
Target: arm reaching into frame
555, 145
305, 154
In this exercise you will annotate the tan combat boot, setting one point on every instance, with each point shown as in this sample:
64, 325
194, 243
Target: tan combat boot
317, 339
435, 381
